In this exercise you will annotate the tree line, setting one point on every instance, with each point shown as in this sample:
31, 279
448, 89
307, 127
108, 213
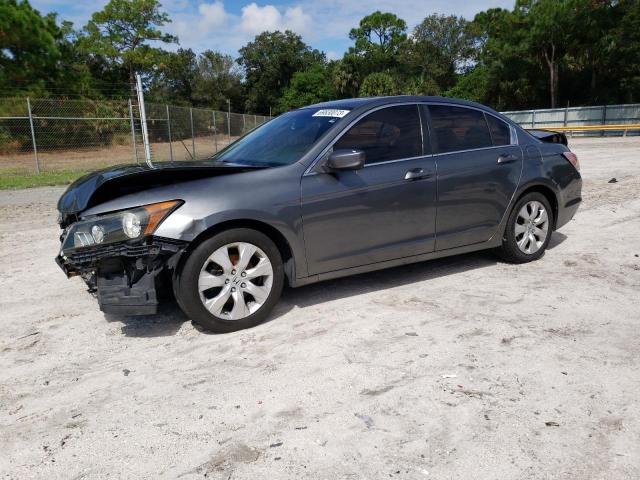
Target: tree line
541, 53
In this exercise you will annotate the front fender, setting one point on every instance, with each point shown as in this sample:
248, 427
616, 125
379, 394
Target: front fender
183, 226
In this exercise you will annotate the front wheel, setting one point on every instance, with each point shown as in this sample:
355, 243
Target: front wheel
231, 281
528, 229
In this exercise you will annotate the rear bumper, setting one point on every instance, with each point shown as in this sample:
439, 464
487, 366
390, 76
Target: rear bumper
127, 279
566, 213
569, 201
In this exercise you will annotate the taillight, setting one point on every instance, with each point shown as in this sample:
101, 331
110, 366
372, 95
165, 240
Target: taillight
573, 159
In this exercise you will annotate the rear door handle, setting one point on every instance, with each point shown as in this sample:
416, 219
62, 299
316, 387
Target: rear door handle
417, 173
507, 158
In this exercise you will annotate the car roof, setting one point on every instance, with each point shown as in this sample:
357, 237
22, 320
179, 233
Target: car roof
352, 103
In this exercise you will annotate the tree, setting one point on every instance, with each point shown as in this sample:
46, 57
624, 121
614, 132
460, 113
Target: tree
378, 39
626, 60
121, 32
269, 62
378, 84
174, 78
307, 87
511, 75
218, 79
440, 48
549, 35
29, 48
346, 77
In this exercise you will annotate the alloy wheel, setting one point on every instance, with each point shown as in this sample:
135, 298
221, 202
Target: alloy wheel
235, 281
531, 227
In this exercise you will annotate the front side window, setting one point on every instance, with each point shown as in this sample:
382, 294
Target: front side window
459, 128
391, 133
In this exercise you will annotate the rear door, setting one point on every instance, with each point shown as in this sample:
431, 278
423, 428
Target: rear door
479, 166
383, 211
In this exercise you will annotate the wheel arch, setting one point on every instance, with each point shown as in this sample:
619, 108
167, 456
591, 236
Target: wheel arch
283, 245
548, 193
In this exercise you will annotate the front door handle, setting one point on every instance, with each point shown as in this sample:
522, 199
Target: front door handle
416, 174
507, 158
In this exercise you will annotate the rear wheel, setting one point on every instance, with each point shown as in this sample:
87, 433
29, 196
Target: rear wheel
231, 281
528, 229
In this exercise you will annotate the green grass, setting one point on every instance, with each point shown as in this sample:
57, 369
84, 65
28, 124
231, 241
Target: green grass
13, 180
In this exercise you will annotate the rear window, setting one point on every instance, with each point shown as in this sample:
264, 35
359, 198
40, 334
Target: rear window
459, 128
500, 132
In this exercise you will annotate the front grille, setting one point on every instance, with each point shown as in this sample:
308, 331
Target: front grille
94, 253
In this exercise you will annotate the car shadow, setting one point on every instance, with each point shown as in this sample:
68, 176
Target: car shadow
170, 318
384, 279
165, 323
556, 239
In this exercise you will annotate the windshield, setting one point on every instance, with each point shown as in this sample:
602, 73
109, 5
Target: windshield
283, 140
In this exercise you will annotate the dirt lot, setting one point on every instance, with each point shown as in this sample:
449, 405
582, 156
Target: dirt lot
457, 368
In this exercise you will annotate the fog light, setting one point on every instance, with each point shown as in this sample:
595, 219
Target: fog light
97, 232
131, 225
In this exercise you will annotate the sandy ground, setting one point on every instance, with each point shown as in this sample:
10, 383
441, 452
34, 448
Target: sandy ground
457, 368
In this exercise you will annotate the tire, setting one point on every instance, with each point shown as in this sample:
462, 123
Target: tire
217, 293
516, 243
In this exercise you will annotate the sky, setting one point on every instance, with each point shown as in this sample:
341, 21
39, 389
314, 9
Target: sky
227, 25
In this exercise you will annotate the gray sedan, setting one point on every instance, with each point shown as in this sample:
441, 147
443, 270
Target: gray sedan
325, 191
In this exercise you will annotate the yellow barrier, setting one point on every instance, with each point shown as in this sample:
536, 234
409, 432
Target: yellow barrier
591, 128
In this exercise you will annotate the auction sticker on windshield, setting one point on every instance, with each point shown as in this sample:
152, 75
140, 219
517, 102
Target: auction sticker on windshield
331, 112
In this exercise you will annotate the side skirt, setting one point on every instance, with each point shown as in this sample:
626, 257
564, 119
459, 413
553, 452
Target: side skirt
496, 241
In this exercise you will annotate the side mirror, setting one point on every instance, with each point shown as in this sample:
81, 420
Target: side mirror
346, 160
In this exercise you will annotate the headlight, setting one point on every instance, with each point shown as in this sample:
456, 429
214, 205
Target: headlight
119, 226
131, 224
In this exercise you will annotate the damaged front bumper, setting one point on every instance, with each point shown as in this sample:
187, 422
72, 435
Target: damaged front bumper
128, 278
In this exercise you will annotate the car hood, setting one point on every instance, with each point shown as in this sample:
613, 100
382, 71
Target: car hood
110, 183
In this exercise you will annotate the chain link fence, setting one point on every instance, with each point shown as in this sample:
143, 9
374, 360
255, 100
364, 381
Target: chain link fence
185, 134
79, 135
39, 135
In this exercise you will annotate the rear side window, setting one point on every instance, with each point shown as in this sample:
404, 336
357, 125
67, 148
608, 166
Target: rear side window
392, 133
459, 128
500, 131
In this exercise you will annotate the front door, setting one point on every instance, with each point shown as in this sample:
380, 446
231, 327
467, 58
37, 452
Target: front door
383, 211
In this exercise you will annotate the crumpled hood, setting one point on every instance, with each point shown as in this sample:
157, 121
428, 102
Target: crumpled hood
110, 183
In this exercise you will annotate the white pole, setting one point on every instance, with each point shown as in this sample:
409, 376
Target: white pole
33, 137
143, 121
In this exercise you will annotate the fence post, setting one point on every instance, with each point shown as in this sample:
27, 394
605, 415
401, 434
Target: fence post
169, 132
133, 133
193, 137
244, 123
604, 118
533, 119
229, 119
215, 130
33, 136
566, 115
143, 121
